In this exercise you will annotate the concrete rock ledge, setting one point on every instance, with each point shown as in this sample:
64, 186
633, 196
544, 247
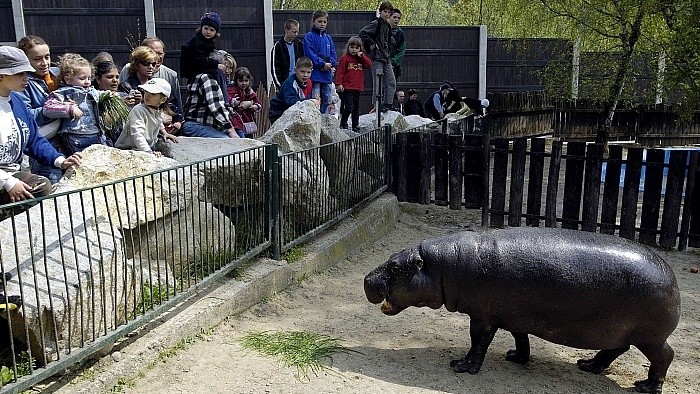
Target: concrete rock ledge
260, 279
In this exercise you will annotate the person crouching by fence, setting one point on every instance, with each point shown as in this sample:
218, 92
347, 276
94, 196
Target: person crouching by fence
296, 87
19, 135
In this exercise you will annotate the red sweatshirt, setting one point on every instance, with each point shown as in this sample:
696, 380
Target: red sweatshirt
350, 73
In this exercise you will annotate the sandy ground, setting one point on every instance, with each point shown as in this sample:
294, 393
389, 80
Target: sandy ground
410, 352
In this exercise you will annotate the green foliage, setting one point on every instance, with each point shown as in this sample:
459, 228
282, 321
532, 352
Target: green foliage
294, 254
301, 350
113, 114
25, 365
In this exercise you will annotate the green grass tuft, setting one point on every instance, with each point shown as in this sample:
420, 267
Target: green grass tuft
301, 350
294, 254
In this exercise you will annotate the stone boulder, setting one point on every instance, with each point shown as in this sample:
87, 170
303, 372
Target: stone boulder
298, 128
368, 122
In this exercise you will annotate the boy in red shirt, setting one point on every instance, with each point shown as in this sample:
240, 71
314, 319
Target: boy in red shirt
350, 81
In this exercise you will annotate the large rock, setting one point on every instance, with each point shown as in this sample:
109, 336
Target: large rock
368, 122
298, 128
130, 202
76, 283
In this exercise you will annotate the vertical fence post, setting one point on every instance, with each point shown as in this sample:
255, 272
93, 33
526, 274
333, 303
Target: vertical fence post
272, 164
379, 90
456, 152
388, 158
426, 163
402, 166
482, 125
688, 206
591, 187
550, 208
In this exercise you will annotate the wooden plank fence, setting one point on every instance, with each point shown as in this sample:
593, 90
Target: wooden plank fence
646, 194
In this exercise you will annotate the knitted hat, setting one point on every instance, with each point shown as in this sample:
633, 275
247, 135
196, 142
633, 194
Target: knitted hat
212, 19
445, 86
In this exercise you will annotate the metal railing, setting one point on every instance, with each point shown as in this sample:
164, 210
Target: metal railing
90, 265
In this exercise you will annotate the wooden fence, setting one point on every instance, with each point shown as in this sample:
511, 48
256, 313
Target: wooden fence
646, 194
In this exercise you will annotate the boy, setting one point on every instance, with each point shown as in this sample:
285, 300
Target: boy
319, 47
285, 53
295, 88
376, 38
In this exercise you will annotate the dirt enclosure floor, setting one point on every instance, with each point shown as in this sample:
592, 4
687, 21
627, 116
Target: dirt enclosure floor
410, 352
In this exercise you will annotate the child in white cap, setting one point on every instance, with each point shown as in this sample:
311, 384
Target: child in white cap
145, 120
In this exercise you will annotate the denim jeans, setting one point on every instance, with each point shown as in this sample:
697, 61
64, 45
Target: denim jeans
322, 90
193, 129
388, 82
49, 171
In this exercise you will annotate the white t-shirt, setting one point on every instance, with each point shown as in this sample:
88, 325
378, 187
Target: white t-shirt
142, 128
10, 145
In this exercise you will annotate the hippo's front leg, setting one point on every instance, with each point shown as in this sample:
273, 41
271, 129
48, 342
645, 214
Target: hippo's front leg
481, 337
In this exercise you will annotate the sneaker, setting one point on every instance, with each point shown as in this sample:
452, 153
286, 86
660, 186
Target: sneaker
356, 129
344, 126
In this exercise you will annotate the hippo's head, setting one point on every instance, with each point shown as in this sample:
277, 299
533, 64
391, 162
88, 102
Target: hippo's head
404, 280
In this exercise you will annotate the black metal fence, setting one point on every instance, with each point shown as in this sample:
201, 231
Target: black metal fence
83, 268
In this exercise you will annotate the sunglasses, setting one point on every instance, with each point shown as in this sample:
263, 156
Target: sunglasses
146, 64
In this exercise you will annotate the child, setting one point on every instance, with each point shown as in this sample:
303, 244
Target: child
76, 103
145, 120
196, 54
376, 38
414, 106
350, 81
295, 88
245, 103
285, 53
19, 136
319, 47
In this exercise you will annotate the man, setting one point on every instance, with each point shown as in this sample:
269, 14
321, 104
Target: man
398, 47
286, 52
400, 101
161, 70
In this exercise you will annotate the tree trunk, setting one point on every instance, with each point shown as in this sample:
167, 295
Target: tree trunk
629, 40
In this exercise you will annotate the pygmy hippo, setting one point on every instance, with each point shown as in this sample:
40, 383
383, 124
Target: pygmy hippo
578, 289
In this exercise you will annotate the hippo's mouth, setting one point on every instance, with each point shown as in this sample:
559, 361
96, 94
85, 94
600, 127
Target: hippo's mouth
390, 309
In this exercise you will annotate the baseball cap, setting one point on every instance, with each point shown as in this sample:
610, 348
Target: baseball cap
157, 85
13, 61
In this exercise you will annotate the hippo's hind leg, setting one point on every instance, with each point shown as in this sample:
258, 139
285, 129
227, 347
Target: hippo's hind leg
521, 353
660, 358
602, 360
481, 337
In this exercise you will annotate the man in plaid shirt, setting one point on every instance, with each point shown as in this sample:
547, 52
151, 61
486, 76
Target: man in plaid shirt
205, 110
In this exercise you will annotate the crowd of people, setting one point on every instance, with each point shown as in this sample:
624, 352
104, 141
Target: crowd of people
51, 111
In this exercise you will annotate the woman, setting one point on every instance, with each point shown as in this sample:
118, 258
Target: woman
107, 78
19, 135
41, 82
142, 63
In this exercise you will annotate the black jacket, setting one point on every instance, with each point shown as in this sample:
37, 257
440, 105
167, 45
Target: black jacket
194, 57
280, 59
377, 33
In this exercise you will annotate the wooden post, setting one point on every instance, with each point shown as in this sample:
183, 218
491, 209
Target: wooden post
591, 189
401, 168
440, 144
630, 193
688, 207
534, 183
550, 208
611, 192
456, 153
426, 162
672, 198
517, 183
500, 173
486, 188
651, 201
573, 182
473, 171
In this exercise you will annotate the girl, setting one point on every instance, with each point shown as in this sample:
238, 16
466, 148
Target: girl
245, 103
145, 120
196, 54
42, 82
19, 136
319, 47
75, 102
350, 81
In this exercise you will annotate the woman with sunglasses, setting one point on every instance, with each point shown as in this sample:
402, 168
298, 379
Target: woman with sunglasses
142, 64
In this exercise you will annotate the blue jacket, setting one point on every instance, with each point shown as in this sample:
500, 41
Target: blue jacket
31, 142
289, 94
86, 99
319, 47
34, 96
